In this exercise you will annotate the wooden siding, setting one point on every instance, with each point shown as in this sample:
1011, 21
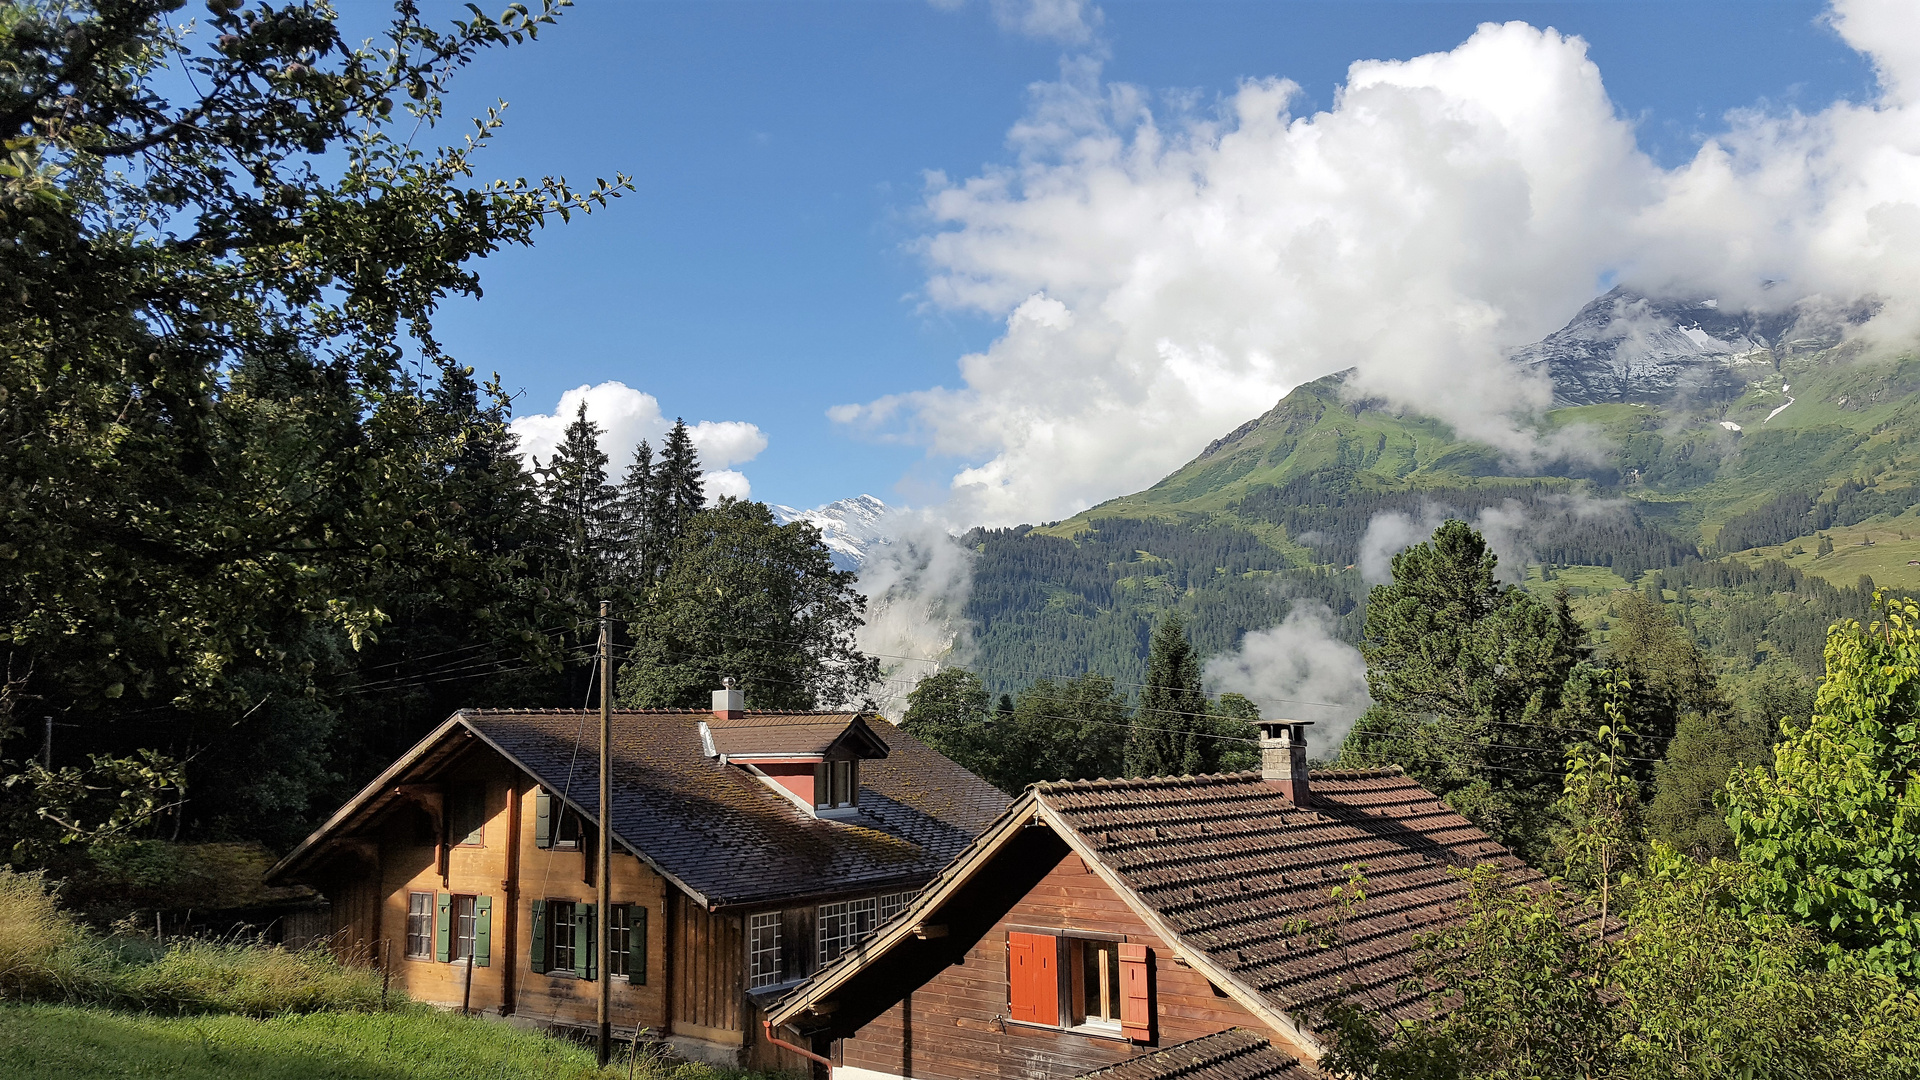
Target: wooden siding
370, 885
709, 988
955, 1026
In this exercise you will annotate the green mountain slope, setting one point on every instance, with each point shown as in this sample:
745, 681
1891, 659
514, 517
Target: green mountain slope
1821, 445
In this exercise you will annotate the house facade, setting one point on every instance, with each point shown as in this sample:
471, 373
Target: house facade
749, 849
1173, 926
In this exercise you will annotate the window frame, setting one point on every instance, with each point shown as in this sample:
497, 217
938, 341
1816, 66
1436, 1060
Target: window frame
619, 939
420, 905
833, 779
764, 966
464, 911
1078, 1016
1067, 949
559, 933
846, 918
569, 822
887, 905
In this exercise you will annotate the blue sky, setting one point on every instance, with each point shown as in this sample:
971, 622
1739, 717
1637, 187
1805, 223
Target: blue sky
770, 265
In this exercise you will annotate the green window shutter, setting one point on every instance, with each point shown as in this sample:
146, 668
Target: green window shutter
482, 930
637, 945
583, 940
443, 927
542, 820
539, 955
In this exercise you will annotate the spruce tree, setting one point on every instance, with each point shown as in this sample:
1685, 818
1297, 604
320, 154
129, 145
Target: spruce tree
636, 557
682, 493
578, 503
1172, 731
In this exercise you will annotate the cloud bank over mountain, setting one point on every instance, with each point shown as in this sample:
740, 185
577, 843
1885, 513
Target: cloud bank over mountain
626, 416
1167, 270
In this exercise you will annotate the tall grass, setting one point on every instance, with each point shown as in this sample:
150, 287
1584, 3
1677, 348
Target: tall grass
33, 932
45, 956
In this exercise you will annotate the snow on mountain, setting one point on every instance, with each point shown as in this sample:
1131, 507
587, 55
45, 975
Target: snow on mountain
1626, 346
850, 527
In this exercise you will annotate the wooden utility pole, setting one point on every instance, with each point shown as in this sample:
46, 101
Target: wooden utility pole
603, 912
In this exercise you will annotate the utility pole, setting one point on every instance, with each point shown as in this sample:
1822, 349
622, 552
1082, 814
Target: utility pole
603, 909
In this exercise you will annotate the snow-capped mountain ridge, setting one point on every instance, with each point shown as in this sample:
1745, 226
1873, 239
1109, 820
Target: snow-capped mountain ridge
850, 528
1626, 346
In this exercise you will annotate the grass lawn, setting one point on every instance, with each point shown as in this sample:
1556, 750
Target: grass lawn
46, 1042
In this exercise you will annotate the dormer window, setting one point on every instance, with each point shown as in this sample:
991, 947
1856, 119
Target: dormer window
837, 785
811, 759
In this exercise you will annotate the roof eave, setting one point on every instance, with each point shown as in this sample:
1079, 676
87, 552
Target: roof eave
353, 806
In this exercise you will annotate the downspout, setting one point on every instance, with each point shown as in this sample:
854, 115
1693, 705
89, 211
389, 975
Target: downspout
767, 1026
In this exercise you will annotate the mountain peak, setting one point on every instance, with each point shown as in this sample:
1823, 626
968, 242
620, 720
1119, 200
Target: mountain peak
849, 527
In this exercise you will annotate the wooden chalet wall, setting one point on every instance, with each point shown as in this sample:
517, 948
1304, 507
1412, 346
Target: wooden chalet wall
371, 883
955, 1026
709, 988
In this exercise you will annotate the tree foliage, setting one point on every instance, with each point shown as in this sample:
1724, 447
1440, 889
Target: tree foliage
1833, 829
1056, 729
219, 477
748, 599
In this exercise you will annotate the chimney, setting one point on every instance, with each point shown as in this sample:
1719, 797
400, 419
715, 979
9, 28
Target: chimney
1283, 758
729, 704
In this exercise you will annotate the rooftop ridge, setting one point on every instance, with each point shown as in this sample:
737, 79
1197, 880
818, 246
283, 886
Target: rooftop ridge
620, 711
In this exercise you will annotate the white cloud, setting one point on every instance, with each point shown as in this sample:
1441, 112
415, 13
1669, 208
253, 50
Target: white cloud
1167, 273
724, 443
726, 483
625, 416
1070, 22
1298, 671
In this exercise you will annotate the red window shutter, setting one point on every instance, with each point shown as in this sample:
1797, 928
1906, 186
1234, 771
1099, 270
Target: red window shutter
1136, 993
1033, 982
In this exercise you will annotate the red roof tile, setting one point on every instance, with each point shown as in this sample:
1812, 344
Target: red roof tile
1233, 1054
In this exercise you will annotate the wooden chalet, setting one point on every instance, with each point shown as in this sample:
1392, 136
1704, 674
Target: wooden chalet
1141, 929
749, 847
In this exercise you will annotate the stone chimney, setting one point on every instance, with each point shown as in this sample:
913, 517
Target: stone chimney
1283, 758
730, 704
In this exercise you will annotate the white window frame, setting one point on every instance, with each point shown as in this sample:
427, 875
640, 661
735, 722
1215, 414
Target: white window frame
843, 926
763, 949
420, 906
891, 904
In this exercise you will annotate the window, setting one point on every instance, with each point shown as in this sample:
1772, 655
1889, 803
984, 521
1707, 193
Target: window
420, 926
554, 826
1096, 983
627, 942
763, 949
464, 925
890, 905
1107, 989
837, 784
467, 814
561, 954
843, 926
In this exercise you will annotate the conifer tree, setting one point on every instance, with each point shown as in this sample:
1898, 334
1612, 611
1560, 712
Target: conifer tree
682, 493
636, 560
1172, 732
573, 486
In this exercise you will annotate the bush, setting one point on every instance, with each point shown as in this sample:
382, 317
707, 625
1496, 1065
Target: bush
45, 956
33, 930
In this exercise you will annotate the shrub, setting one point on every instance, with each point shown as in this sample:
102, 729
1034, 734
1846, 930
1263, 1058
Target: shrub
33, 930
45, 956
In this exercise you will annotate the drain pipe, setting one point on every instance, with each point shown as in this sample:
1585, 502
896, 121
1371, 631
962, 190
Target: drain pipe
767, 1026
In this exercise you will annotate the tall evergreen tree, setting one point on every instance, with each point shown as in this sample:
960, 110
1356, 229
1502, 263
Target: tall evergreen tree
579, 505
682, 493
1467, 676
635, 553
1172, 731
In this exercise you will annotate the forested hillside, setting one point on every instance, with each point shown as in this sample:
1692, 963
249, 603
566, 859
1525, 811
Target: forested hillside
1758, 512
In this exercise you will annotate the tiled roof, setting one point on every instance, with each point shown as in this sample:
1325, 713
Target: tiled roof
1228, 862
782, 733
723, 833
1233, 1054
